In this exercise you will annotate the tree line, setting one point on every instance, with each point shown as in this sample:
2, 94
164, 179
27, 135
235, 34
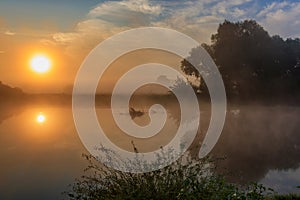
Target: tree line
9, 92
253, 64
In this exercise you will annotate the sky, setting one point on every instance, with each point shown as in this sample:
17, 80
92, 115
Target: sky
67, 30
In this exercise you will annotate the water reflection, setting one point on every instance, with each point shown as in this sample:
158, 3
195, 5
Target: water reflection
41, 152
8, 111
38, 162
256, 139
260, 139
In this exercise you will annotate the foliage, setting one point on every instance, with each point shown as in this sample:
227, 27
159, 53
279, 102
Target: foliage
8, 91
187, 178
251, 61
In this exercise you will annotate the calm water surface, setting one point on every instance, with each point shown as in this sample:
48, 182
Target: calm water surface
41, 151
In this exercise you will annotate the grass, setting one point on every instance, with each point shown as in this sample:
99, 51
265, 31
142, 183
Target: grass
187, 178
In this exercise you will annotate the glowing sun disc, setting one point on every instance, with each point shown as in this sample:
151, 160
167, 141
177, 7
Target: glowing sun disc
41, 118
40, 64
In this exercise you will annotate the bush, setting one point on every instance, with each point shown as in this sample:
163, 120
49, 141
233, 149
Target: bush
186, 178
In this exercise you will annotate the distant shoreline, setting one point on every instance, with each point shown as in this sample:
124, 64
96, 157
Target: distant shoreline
65, 99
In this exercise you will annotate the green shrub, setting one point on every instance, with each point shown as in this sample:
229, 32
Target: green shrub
187, 178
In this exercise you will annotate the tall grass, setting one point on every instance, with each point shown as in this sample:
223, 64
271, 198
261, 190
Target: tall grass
187, 178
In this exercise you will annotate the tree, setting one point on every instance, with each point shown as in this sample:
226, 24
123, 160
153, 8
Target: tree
252, 63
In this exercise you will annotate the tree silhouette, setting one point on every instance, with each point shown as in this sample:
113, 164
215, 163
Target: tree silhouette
7, 92
253, 64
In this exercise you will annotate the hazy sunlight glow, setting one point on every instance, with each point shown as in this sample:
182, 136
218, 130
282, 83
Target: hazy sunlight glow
41, 118
40, 63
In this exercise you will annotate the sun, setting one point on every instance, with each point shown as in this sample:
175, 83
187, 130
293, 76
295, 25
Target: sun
40, 118
40, 63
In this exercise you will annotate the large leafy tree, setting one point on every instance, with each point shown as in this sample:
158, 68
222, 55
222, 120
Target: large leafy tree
252, 63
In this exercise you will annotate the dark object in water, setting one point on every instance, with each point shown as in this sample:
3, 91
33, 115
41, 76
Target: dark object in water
135, 113
134, 147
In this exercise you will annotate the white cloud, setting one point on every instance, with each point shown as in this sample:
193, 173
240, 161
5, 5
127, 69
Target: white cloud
229, 9
197, 18
200, 19
272, 8
127, 12
87, 34
281, 18
238, 13
107, 19
142, 6
190, 18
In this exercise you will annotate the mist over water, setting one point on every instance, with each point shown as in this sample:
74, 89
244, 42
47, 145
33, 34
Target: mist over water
39, 159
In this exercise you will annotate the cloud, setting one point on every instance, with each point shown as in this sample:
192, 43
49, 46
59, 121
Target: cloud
196, 18
282, 18
107, 19
199, 19
229, 8
127, 12
10, 33
48, 42
87, 34
116, 8
86, 29
2, 52
65, 38
272, 8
